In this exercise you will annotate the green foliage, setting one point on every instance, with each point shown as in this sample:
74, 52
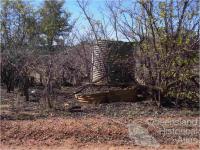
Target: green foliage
19, 23
23, 25
170, 46
54, 21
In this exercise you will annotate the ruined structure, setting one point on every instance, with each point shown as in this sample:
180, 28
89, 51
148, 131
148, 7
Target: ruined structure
112, 62
117, 69
98, 72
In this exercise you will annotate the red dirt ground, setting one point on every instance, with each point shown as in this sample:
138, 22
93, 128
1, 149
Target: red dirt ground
60, 133
105, 127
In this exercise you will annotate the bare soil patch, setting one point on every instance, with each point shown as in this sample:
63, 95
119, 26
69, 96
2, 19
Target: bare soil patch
27, 125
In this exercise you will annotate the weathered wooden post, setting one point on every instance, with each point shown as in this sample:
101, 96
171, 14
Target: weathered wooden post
140, 71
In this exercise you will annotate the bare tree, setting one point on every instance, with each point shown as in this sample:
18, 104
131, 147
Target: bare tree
167, 36
103, 46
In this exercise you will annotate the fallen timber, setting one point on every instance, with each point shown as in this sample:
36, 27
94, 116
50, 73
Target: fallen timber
128, 94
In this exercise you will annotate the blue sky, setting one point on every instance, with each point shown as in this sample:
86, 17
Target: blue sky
71, 5
95, 8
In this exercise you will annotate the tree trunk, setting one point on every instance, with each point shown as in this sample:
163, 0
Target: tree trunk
26, 87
